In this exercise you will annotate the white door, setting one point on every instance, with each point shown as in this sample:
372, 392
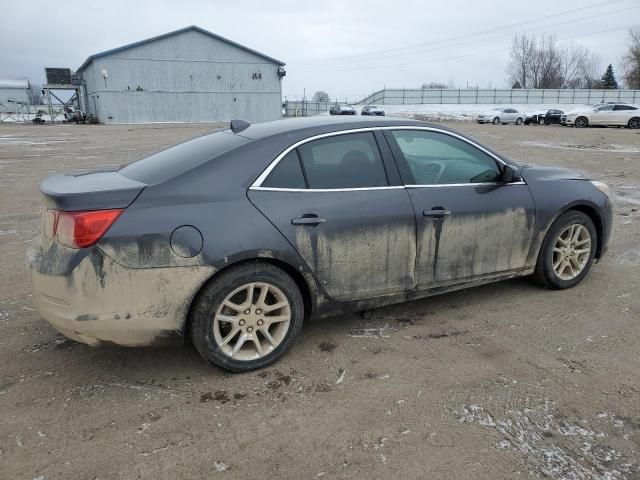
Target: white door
623, 113
603, 116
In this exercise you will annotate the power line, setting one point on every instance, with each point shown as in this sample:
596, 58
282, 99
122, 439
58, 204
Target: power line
509, 34
566, 12
373, 67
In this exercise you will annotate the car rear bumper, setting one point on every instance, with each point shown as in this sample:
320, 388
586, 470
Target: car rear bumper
94, 300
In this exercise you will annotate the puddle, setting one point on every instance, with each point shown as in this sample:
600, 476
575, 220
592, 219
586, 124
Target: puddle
22, 141
630, 257
599, 147
629, 194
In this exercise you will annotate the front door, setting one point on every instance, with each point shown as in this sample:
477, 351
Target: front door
469, 224
603, 116
341, 206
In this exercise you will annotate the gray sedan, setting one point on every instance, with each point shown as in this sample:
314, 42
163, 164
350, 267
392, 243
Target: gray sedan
236, 237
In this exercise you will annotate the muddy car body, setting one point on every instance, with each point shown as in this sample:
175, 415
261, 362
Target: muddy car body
235, 235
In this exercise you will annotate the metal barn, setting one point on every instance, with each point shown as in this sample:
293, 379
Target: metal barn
189, 75
14, 98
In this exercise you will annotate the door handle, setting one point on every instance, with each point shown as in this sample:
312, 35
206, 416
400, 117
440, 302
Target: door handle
311, 220
436, 212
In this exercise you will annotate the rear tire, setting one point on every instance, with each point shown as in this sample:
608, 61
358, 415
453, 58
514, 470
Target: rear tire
234, 302
581, 122
634, 123
559, 264
496, 121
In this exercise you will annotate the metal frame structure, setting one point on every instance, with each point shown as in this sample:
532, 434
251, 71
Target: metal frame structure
48, 93
20, 103
20, 115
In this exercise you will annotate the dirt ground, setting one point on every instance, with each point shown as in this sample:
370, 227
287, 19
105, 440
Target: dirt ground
503, 381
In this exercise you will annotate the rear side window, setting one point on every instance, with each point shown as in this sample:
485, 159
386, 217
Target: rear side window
287, 173
173, 161
343, 161
625, 107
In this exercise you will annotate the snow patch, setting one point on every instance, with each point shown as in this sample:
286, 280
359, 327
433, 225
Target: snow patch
556, 447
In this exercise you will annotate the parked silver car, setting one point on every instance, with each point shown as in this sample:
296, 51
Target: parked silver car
502, 115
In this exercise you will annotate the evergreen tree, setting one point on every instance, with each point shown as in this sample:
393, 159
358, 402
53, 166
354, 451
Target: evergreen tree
609, 79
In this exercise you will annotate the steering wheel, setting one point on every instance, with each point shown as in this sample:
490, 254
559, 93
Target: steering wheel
431, 170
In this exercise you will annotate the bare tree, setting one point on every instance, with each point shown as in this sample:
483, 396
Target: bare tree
542, 63
35, 94
434, 85
320, 96
522, 53
631, 60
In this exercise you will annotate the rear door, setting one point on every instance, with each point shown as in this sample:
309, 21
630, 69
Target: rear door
623, 113
339, 201
469, 224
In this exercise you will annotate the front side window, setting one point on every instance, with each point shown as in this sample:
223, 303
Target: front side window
606, 108
438, 159
343, 161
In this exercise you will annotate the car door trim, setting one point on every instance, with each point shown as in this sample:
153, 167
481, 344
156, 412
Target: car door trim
257, 184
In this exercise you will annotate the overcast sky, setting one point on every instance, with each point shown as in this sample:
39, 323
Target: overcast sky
347, 47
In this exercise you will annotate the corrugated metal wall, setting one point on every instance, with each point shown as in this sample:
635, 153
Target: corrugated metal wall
14, 94
187, 77
516, 96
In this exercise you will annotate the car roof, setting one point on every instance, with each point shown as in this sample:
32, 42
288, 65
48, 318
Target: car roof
324, 124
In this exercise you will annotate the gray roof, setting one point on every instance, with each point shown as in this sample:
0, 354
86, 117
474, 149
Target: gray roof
176, 32
8, 81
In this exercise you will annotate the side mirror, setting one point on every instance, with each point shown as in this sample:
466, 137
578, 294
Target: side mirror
509, 174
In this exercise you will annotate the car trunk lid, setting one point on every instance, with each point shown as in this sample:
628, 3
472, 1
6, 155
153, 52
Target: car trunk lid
98, 190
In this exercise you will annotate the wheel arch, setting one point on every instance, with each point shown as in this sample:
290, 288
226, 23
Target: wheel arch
597, 220
588, 209
306, 285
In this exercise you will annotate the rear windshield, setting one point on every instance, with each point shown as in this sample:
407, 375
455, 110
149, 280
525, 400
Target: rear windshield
173, 161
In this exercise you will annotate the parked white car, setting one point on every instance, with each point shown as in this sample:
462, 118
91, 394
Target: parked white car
502, 115
612, 114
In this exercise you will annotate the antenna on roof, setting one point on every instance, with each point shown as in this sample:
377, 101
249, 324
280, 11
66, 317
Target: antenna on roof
238, 126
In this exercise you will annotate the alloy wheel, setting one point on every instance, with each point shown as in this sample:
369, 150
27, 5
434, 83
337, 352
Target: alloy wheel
571, 251
252, 321
580, 122
634, 123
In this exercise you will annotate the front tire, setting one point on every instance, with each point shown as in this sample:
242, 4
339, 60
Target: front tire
567, 252
247, 317
496, 121
519, 121
581, 122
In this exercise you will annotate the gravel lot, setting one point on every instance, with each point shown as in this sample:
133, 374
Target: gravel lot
502, 381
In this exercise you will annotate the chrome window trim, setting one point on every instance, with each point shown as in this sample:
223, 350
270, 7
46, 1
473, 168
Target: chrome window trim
440, 185
274, 163
257, 184
451, 134
321, 190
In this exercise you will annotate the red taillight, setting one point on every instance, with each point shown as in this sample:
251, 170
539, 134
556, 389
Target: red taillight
82, 229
